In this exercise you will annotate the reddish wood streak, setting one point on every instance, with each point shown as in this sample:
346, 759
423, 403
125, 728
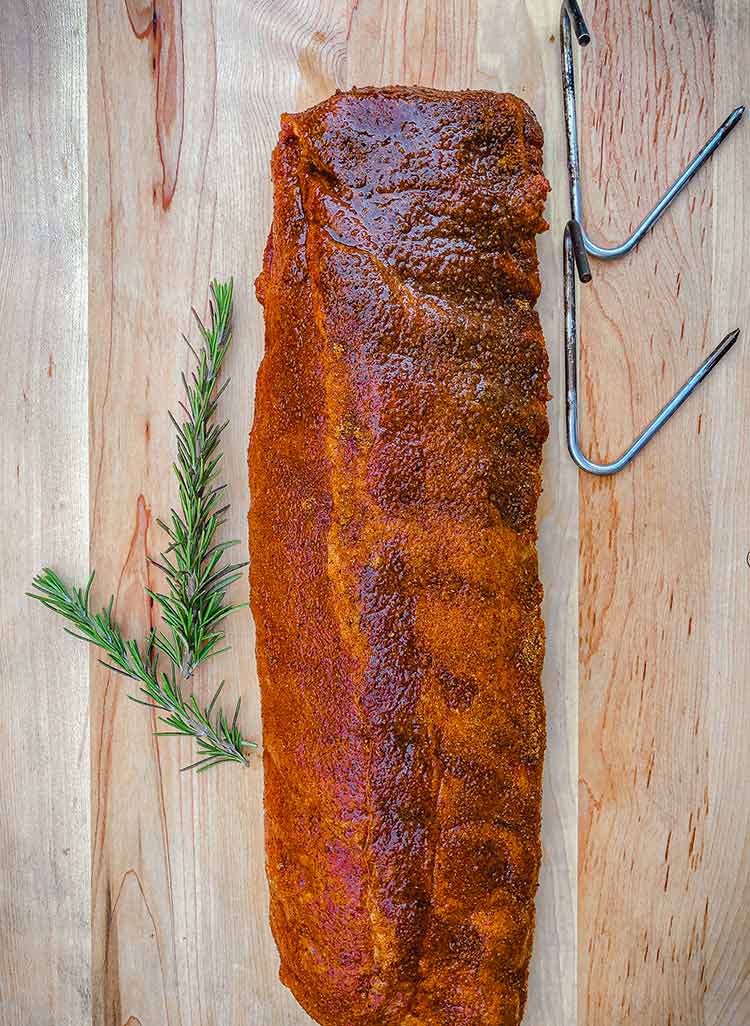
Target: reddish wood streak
162, 22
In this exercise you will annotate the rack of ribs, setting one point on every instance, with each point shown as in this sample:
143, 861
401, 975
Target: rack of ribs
395, 469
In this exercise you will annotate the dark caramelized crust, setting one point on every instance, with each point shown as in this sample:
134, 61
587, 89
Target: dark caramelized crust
395, 468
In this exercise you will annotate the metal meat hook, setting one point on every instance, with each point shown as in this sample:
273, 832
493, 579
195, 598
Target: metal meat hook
582, 244
577, 245
571, 377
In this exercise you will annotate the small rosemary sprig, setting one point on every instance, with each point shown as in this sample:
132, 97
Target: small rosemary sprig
218, 741
197, 580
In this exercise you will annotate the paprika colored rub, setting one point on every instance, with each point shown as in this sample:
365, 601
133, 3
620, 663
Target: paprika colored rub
395, 468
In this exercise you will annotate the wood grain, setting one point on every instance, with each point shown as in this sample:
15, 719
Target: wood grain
642, 910
44, 788
726, 726
664, 613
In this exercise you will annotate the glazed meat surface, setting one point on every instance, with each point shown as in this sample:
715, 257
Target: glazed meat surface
395, 465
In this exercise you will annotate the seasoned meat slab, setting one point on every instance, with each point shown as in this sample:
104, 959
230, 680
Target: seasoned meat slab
395, 464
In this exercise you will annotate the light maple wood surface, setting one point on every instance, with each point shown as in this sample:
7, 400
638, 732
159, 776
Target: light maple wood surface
664, 876
45, 931
133, 895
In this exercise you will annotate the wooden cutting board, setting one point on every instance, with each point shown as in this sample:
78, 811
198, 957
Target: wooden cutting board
134, 164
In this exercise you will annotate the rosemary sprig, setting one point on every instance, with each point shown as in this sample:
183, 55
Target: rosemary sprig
197, 580
218, 740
